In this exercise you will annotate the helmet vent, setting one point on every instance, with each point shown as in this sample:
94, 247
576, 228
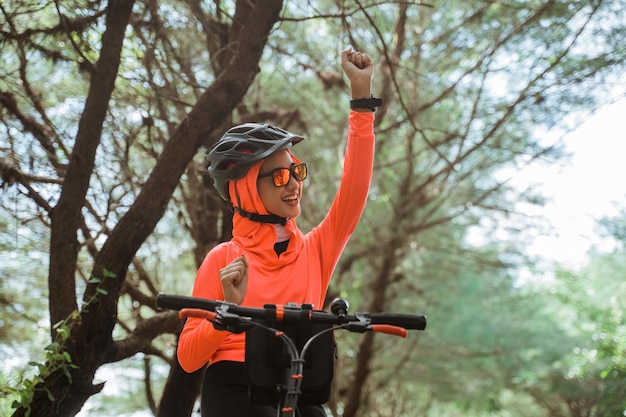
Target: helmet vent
247, 148
267, 135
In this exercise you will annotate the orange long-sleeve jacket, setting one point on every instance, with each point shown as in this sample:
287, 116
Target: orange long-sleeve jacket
301, 274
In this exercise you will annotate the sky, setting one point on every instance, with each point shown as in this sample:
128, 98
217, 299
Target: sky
590, 186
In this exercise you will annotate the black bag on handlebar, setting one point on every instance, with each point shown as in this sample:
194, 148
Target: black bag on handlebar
267, 360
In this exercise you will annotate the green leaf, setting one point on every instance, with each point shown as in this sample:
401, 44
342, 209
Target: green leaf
64, 332
108, 274
50, 395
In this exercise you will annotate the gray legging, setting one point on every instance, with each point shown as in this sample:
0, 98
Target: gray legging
225, 394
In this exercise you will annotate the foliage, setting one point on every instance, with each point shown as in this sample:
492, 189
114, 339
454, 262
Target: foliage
615, 228
56, 359
596, 296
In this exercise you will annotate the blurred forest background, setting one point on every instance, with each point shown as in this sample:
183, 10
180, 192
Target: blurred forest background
106, 109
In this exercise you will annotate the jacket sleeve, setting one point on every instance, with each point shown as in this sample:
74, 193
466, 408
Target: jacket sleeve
199, 340
345, 212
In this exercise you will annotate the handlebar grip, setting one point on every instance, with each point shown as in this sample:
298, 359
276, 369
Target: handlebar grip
197, 313
388, 329
179, 302
406, 321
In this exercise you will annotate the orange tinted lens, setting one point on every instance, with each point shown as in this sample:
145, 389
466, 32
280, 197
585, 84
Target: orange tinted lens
281, 177
299, 172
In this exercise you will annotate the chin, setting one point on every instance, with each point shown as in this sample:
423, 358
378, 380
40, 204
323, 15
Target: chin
294, 213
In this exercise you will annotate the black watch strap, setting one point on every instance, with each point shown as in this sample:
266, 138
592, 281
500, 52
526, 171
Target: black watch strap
366, 103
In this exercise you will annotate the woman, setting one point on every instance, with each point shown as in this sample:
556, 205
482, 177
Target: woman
269, 260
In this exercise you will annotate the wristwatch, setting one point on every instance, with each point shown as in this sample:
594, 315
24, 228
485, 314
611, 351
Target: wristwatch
366, 103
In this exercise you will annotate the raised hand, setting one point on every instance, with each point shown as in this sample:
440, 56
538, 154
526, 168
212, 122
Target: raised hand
234, 278
359, 69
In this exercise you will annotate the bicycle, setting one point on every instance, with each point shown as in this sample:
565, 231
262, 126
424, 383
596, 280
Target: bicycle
285, 385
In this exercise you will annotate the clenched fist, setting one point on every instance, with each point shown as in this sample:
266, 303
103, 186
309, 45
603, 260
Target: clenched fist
359, 69
234, 277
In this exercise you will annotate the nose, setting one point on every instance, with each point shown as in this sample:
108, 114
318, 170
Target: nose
292, 184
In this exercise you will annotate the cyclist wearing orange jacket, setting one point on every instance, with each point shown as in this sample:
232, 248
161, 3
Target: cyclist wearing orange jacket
269, 260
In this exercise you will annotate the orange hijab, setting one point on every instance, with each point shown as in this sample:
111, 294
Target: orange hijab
255, 238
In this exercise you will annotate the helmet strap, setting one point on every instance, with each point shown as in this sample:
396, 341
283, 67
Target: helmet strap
262, 218
256, 217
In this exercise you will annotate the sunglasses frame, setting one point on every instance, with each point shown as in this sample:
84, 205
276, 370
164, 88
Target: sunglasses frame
291, 169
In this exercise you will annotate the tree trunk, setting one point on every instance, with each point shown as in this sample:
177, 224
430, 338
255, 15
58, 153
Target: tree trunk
65, 388
180, 392
366, 347
66, 216
249, 30
68, 385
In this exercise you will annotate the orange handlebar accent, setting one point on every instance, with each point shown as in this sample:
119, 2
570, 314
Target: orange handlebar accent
280, 312
197, 313
388, 329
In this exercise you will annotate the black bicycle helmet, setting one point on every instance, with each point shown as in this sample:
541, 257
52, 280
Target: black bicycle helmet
243, 146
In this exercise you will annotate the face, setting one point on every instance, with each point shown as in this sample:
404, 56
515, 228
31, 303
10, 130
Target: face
281, 201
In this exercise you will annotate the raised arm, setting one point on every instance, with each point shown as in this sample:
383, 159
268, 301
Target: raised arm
344, 214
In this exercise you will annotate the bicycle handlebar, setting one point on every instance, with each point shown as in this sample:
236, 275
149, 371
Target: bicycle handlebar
289, 314
237, 319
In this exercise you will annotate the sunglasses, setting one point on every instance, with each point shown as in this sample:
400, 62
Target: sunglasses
281, 176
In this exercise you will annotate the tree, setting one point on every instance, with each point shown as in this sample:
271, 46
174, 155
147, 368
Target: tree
113, 150
595, 295
589, 378
456, 118
83, 339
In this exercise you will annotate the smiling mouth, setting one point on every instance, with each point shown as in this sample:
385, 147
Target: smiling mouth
291, 199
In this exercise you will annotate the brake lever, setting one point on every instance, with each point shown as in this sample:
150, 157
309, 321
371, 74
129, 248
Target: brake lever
230, 322
364, 324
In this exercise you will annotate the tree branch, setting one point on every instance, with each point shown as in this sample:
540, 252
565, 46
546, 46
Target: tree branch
140, 340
